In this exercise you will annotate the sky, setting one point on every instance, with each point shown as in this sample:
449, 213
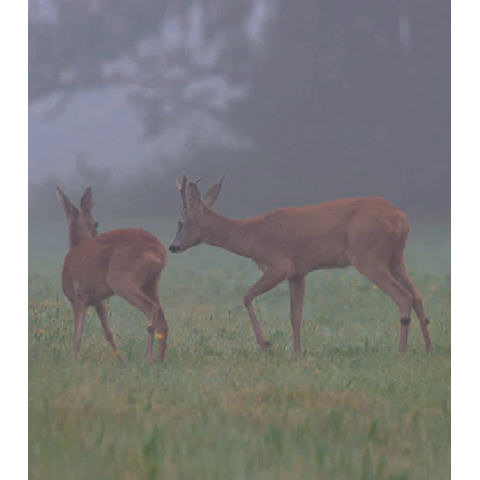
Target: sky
101, 126
301, 102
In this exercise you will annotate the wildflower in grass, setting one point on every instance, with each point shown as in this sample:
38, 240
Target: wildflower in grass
374, 287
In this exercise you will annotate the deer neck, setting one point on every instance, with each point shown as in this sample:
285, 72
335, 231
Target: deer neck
229, 234
75, 237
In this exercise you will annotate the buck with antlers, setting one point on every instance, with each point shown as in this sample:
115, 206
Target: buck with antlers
288, 243
126, 262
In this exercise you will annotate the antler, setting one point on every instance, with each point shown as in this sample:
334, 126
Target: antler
182, 189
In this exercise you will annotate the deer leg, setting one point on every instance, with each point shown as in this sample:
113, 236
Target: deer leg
133, 294
149, 352
297, 295
399, 271
271, 278
79, 310
160, 323
381, 276
103, 317
162, 328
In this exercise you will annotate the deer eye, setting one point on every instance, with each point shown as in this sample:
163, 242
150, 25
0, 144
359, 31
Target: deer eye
95, 224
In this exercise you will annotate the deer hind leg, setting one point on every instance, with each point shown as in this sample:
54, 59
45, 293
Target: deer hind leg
399, 271
79, 310
381, 276
297, 295
160, 324
130, 290
103, 317
270, 279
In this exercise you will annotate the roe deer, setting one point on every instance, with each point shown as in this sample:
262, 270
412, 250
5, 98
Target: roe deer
288, 243
126, 262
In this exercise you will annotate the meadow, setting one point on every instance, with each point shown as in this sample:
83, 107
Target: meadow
220, 408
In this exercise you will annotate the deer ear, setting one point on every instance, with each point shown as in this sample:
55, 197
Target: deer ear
211, 196
71, 211
86, 203
192, 195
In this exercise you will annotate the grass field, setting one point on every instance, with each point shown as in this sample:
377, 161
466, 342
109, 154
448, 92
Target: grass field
219, 407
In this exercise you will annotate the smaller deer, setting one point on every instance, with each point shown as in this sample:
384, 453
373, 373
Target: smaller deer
288, 243
126, 262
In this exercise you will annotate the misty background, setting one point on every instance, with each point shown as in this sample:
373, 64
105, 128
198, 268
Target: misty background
296, 102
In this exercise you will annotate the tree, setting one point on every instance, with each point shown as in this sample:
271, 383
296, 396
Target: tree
177, 60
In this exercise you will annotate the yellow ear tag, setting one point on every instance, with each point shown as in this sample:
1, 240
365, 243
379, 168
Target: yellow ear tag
159, 335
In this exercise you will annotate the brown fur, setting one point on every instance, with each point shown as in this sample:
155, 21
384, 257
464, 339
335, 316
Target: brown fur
287, 243
126, 262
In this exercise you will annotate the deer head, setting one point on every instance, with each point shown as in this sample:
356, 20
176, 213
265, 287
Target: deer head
189, 232
81, 224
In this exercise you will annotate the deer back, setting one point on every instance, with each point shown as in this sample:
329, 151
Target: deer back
88, 266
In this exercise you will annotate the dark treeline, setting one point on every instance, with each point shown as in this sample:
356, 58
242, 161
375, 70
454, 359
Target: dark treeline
344, 99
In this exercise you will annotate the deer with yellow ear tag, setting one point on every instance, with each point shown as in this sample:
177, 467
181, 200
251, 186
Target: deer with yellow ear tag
126, 262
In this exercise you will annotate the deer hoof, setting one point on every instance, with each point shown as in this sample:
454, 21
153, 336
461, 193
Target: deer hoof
265, 344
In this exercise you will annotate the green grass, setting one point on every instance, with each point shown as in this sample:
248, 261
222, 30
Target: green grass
219, 407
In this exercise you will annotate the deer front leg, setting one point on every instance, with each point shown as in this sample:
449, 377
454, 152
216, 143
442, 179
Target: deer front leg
271, 278
103, 317
297, 295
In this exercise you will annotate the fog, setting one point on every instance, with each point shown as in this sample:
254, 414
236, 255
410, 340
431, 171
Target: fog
295, 102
